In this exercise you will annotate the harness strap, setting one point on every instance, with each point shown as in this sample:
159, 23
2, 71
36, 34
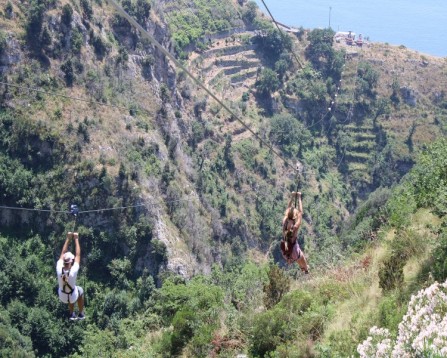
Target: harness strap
65, 276
67, 285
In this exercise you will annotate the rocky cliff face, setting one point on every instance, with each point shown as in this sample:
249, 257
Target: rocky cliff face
210, 191
100, 46
10, 54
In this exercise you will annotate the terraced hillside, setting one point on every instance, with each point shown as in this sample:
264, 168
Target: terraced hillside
389, 110
415, 84
229, 68
357, 139
359, 149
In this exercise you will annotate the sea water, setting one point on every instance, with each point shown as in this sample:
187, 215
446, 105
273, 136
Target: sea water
420, 25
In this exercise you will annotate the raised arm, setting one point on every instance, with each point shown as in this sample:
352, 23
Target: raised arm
300, 203
289, 205
300, 213
78, 247
291, 199
65, 247
284, 224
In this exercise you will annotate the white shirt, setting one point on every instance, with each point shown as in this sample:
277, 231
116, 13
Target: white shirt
65, 296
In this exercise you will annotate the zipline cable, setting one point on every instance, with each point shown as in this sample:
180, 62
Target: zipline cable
165, 52
110, 209
146, 35
34, 209
332, 102
282, 34
64, 96
155, 42
92, 211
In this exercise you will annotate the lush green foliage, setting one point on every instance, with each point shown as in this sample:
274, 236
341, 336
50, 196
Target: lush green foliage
278, 285
322, 55
191, 22
241, 306
439, 264
424, 186
140, 9
367, 79
429, 178
67, 14
289, 134
249, 12
309, 85
370, 216
268, 82
36, 34
28, 301
407, 244
30, 177
273, 43
249, 300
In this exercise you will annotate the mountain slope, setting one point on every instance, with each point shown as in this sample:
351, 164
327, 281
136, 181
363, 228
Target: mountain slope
92, 114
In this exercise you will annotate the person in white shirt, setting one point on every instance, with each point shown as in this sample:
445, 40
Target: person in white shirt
67, 269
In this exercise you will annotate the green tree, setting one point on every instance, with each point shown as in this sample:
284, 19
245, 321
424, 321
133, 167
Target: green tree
320, 51
87, 8
391, 274
228, 155
15, 181
68, 69
67, 15
367, 79
289, 133
12, 342
429, 177
267, 82
271, 329
249, 12
9, 10
277, 287
382, 108
76, 41
395, 99
183, 330
34, 24
273, 43
143, 8
439, 265
282, 65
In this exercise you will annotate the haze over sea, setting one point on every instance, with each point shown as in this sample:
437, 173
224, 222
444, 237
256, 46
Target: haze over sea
420, 25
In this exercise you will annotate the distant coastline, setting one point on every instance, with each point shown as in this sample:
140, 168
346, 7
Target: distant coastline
417, 25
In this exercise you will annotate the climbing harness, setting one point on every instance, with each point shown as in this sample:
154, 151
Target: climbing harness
65, 275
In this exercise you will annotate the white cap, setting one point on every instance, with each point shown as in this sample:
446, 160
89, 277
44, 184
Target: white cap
68, 257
